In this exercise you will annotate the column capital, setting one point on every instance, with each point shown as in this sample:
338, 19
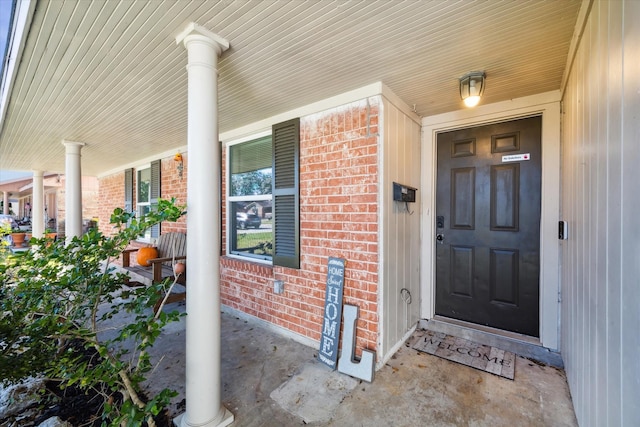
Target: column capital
73, 146
193, 29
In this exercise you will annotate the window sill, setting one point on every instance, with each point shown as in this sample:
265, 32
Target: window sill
244, 264
263, 262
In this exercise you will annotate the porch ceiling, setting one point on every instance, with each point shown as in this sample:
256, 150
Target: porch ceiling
109, 73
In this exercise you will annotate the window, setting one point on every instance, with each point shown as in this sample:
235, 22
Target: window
264, 214
250, 206
143, 197
147, 192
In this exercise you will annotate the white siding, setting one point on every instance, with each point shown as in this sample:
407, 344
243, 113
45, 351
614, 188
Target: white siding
601, 202
400, 236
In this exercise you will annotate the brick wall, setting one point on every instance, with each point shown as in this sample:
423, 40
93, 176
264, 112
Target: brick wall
111, 194
55, 200
338, 217
90, 203
173, 185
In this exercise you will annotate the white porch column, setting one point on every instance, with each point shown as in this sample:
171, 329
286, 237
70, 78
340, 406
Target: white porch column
37, 205
203, 383
5, 203
73, 190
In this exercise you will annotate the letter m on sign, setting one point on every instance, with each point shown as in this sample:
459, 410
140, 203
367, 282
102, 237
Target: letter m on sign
329, 328
332, 312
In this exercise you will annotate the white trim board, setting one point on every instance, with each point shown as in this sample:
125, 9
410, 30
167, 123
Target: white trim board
545, 104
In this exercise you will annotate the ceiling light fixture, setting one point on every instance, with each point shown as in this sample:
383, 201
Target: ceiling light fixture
472, 87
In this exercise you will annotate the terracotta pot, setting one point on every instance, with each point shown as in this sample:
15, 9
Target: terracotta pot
18, 239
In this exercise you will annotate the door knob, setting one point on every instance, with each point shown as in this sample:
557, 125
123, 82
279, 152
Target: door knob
440, 238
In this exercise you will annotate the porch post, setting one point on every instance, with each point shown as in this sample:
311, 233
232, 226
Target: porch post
203, 382
73, 190
37, 205
5, 203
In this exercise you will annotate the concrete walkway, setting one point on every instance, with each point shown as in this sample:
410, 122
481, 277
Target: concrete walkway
271, 380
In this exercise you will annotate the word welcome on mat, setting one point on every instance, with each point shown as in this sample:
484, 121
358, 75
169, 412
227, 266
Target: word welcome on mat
482, 357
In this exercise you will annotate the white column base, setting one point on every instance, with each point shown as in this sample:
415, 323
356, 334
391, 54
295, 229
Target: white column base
227, 419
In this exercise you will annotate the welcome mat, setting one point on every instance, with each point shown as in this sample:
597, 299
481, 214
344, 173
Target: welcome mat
483, 357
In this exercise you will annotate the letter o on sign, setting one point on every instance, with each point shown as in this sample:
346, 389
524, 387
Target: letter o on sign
331, 311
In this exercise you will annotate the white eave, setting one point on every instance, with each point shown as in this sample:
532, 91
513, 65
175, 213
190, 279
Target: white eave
23, 14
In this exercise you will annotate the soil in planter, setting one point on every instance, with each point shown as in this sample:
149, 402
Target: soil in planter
80, 407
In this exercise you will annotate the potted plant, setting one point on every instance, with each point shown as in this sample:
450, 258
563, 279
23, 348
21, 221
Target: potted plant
17, 237
50, 234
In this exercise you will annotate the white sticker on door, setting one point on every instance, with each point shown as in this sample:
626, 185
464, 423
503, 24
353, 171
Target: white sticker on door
516, 157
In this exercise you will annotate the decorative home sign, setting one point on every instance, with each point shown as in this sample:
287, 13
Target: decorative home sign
332, 312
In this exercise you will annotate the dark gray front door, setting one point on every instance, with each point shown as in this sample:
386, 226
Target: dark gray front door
488, 225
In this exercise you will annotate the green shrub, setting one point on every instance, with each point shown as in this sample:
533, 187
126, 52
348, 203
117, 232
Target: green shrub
53, 299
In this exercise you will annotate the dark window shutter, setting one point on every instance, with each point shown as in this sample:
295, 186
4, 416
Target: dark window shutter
128, 190
154, 193
286, 194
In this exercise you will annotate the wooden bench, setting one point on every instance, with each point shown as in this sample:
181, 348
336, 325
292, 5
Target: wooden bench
171, 247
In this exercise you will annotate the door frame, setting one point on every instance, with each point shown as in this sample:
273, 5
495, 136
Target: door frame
548, 106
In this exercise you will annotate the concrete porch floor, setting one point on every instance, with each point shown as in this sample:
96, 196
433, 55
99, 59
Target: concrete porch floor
264, 372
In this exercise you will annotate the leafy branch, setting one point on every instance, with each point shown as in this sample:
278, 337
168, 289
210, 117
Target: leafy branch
55, 298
